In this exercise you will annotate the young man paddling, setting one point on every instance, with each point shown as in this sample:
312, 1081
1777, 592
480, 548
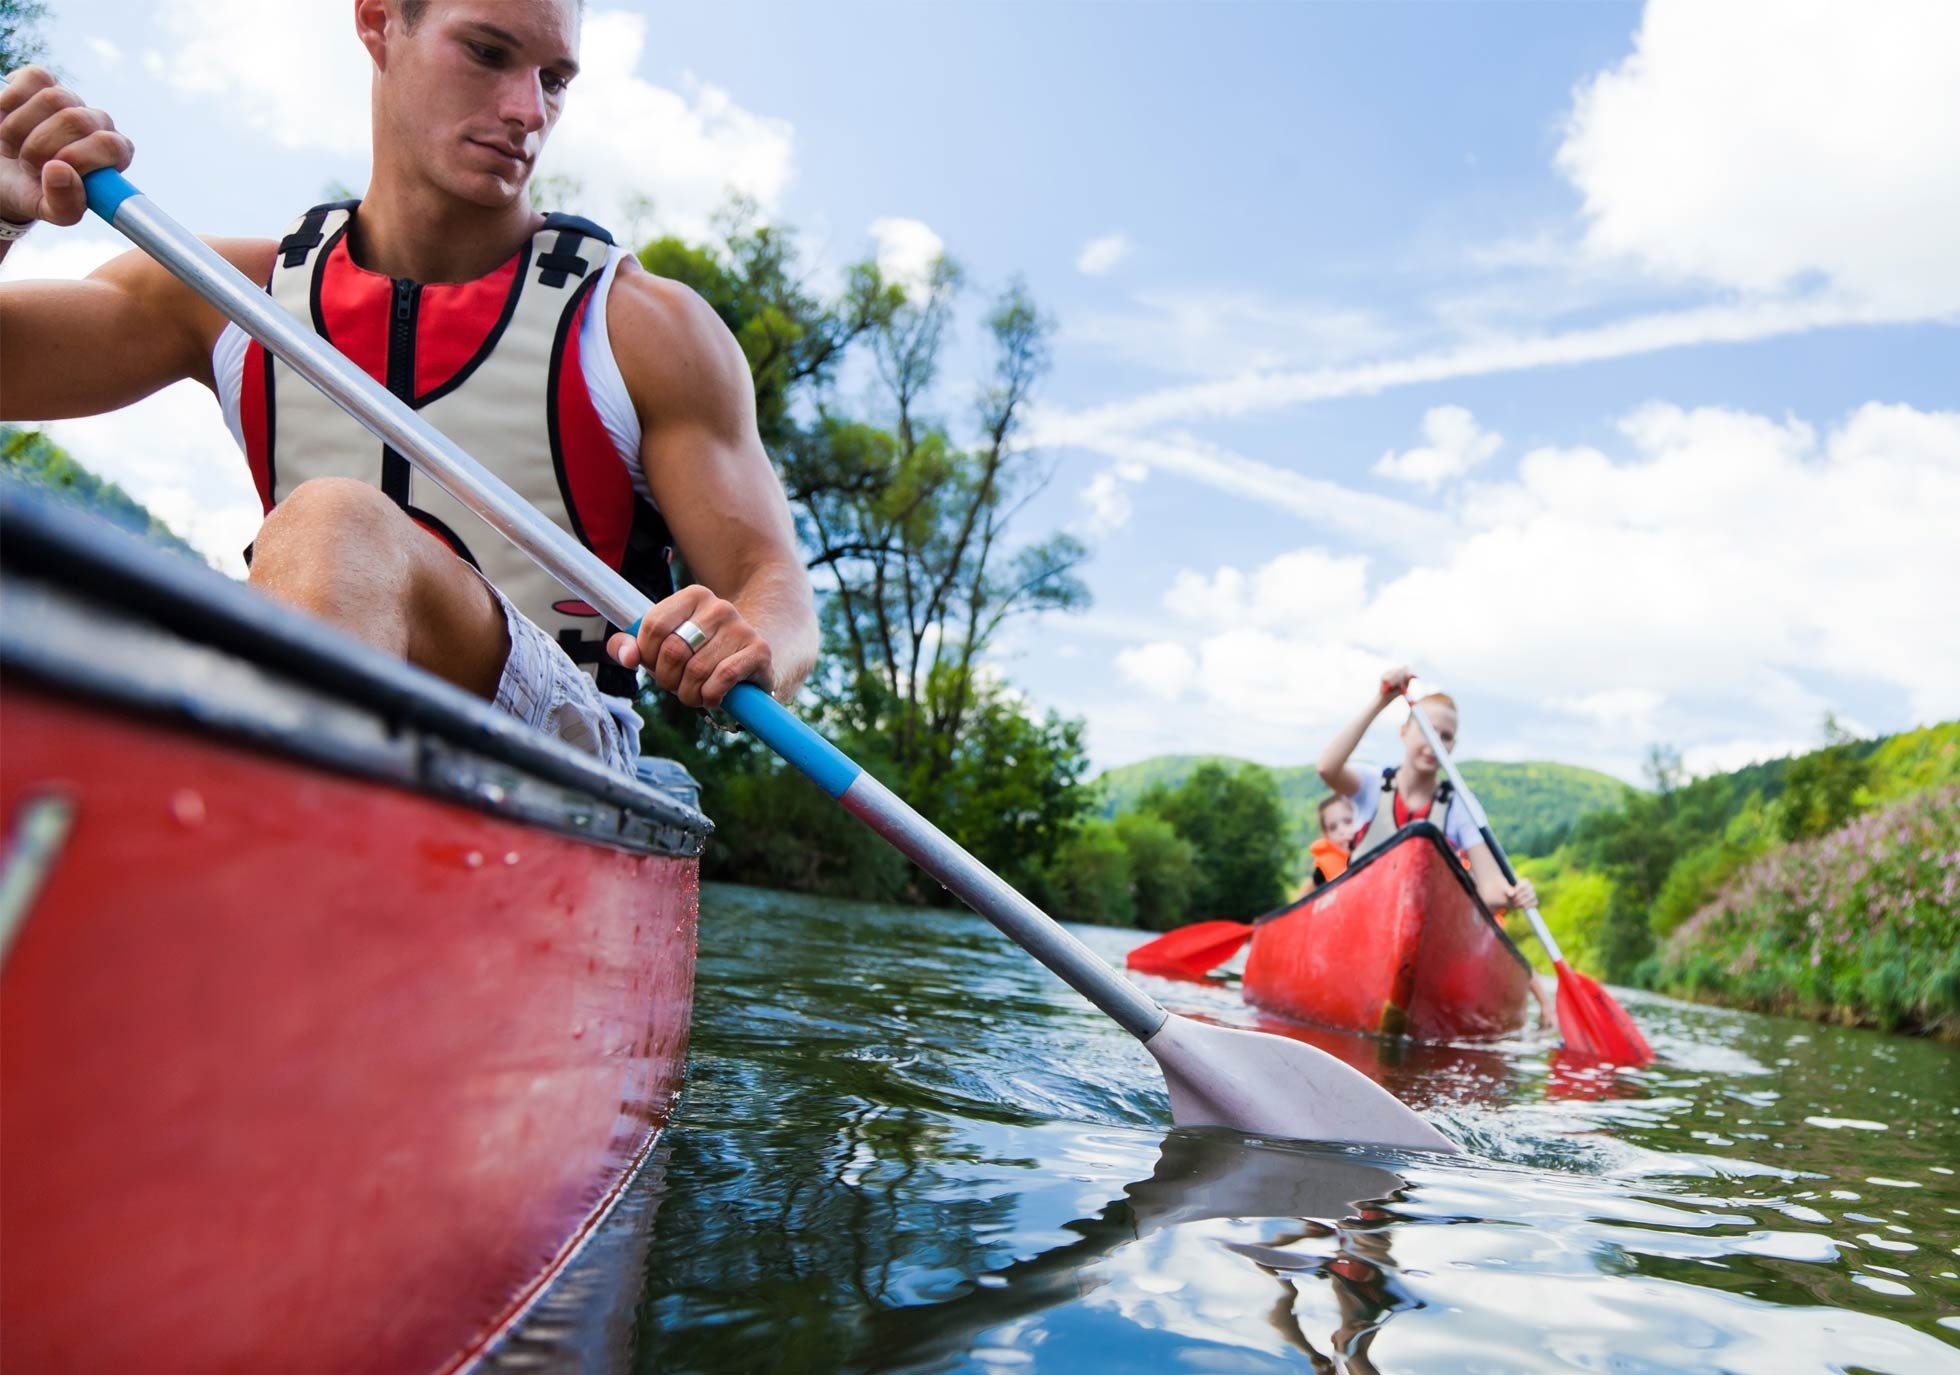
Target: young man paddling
615, 401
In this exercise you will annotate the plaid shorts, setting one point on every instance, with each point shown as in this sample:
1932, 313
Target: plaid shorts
545, 690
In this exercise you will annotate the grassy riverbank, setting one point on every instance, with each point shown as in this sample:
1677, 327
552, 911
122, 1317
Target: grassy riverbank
1861, 926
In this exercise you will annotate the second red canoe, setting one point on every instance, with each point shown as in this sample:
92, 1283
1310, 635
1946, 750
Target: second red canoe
1399, 945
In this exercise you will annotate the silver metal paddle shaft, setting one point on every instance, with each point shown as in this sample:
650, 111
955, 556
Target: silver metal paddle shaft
1478, 815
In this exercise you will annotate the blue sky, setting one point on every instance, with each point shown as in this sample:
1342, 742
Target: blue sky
1599, 359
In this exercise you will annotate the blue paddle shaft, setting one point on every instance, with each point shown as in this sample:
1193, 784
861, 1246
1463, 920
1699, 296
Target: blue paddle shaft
111, 196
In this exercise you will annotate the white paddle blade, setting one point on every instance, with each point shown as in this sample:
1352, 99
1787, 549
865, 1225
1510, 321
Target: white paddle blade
1269, 1086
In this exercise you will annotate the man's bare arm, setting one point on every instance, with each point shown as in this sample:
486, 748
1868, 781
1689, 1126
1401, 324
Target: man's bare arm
72, 348
721, 497
79, 348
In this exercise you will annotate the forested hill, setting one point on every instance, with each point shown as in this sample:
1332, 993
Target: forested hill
1529, 804
30, 456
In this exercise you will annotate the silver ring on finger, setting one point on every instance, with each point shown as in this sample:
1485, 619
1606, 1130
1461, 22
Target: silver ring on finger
692, 635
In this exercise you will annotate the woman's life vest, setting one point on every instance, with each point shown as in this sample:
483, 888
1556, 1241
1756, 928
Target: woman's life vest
494, 364
1391, 804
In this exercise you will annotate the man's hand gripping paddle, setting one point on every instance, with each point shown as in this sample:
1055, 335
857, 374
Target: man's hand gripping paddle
1589, 1018
1217, 1076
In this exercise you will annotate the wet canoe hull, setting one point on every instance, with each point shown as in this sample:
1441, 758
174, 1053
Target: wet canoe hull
330, 1021
1399, 945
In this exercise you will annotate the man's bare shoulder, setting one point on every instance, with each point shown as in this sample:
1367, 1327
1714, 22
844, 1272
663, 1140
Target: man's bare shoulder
165, 297
674, 352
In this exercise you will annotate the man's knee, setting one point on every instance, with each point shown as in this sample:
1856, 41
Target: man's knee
331, 512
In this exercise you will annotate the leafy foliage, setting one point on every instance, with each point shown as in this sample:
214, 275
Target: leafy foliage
906, 531
20, 38
1531, 805
32, 457
1233, 819
1672, 851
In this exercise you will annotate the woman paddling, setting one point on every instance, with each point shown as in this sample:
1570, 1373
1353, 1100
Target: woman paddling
1413, 791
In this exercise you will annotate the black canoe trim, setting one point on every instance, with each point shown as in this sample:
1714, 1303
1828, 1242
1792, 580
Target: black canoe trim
93, 611
1414, 831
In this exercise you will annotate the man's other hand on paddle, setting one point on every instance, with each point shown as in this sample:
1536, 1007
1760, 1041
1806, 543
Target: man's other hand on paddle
48, 139
733, 652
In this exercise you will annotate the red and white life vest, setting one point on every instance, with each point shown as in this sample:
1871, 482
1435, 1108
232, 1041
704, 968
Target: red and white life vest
494, 364
1402, 813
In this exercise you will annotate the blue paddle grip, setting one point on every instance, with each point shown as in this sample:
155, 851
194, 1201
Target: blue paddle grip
771, 723
826, 765
107, 190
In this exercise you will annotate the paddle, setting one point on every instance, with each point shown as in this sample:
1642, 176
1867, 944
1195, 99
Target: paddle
1217, 1076
1589, 1018
1190, 952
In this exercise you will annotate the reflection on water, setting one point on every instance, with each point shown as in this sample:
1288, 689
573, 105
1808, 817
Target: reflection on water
905, 1147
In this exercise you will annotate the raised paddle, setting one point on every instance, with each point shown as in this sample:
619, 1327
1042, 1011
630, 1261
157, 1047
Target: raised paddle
1589, 1018
1217, 1076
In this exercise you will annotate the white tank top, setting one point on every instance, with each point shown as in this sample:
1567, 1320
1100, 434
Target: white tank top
601, 369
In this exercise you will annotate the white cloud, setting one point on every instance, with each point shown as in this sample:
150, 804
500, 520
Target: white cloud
64, 254
1255, 393
295, 73
1162, 669
1752, 148
1108, 499
104, 52
1199, 332
1684, 588
1616, 708
1456, 445
1374, 520
170, 451
1098, 256
907, 252
622, 137
298, 75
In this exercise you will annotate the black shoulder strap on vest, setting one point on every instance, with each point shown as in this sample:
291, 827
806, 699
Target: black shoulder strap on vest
303, 240
564, 260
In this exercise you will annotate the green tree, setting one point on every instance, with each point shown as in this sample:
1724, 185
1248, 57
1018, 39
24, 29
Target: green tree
1826, 788
911, 538
1091, 878
30, 456
1236, 827
1164, 869
20, 36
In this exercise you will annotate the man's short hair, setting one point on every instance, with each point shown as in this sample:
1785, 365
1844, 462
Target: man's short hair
1321, 812
413, 10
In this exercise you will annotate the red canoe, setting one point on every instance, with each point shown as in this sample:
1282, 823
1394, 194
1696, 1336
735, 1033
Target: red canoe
1399, 945
336, 1008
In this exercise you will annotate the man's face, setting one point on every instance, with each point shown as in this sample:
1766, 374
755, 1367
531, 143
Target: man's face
1338, 823
472, 92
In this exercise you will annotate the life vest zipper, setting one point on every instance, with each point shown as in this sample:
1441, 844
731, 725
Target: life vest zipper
401, 380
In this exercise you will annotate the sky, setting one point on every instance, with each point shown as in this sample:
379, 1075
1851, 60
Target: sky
1599, 360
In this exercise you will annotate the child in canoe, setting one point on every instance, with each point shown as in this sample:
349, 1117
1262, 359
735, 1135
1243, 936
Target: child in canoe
1330, 852
1409, 791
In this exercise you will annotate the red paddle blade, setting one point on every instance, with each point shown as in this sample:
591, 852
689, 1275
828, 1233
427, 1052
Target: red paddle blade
1192, 951
1594, 1024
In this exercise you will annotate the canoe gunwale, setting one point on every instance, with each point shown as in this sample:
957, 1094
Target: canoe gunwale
203, 653
1414, 831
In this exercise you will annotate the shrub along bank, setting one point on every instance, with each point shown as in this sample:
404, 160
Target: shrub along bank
1860, 926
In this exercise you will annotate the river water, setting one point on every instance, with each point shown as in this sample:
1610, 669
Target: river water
906, 1147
